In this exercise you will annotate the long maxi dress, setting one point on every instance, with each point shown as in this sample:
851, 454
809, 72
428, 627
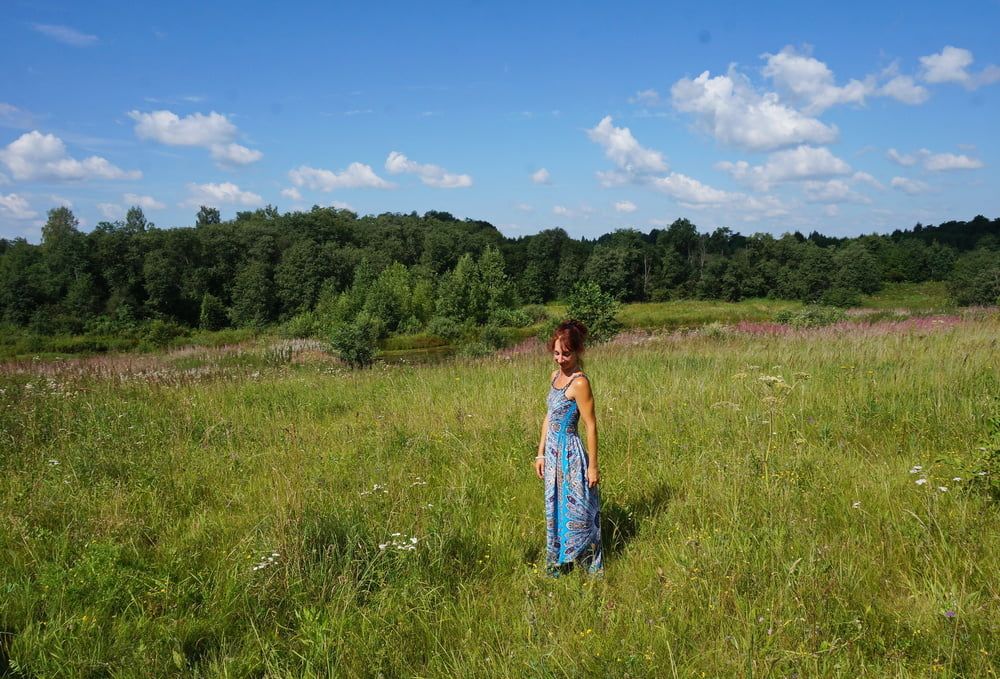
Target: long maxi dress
572, 508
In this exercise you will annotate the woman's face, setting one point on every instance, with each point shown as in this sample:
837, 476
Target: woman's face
564, 358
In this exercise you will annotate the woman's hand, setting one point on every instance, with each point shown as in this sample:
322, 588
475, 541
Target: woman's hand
540, 467
593, 477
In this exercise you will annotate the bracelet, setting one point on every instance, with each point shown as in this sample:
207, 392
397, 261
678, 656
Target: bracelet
540, 457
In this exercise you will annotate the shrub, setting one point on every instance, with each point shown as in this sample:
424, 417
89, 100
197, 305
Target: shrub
356, 342
213, 313
536, 312
595, 309
299, 326
511, 318
494, 337
475, 350
811, 316
446, 328
159, 333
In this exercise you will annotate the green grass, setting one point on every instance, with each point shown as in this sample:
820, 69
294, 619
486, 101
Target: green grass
929, 296
753, 527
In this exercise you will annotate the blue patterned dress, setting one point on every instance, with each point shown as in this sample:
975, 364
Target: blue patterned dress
572, 509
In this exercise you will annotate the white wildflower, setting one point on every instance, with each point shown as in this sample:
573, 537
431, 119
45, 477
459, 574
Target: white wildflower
920, 482
957, 478
916, 469
856, 504
54, 463
943, 489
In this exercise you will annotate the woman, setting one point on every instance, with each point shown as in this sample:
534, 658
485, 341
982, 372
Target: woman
572, 499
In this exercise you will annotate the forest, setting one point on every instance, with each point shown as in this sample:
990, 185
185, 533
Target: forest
409, 273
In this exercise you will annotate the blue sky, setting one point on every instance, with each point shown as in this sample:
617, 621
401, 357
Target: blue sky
845, 118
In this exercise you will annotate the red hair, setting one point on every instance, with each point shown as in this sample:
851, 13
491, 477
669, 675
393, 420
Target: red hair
572, 334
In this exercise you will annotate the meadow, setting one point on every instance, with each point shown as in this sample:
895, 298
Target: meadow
776, 503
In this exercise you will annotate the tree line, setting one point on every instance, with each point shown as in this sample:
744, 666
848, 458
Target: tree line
433, 272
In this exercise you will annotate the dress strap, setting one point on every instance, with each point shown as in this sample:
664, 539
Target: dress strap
566, 386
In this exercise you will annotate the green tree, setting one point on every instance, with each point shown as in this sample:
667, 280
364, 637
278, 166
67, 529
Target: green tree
213, 313
207, 215
298, 277
356, 341
975, 278
253, 296
596, 309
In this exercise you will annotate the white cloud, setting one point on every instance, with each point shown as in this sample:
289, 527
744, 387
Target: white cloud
934, 162
688, 191
16, 207
623, 149
729, 109
225, 193
524, 207
647, 97
831, 210
810, 82
951, 65
562, 211
145, 202
803, 162
234, 154
541, 176
431, 175
12, 116
342, 206
865, 178
66, 35
291, 193
938, 162
213, 131
910, 186
111, 210
832, 191
904, 159
625, 206
196, 129
903, 88
34, 155
356, 176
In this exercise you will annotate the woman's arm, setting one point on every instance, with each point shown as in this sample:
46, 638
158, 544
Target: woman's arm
585, 402
540, 459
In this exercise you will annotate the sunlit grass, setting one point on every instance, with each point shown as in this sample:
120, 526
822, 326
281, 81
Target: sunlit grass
760, 515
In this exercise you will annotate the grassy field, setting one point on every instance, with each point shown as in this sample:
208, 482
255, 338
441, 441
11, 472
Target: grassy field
216, 515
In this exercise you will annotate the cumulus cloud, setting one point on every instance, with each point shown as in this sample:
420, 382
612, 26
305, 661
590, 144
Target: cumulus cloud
15, 206
934, 162
810, 82
734, 113
623, 149
625, 206
34, 155
951, 65
431, 175
801, 163
541, 176
356, 176
562, 211
937, 162
66, 35
225, 193
904, 88
234, 154
832, 191
213, 131
111, 210
910, 186
865, 178
145, 202
688, 191
291, 193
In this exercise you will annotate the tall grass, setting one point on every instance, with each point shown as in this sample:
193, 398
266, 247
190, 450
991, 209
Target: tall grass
760, 516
